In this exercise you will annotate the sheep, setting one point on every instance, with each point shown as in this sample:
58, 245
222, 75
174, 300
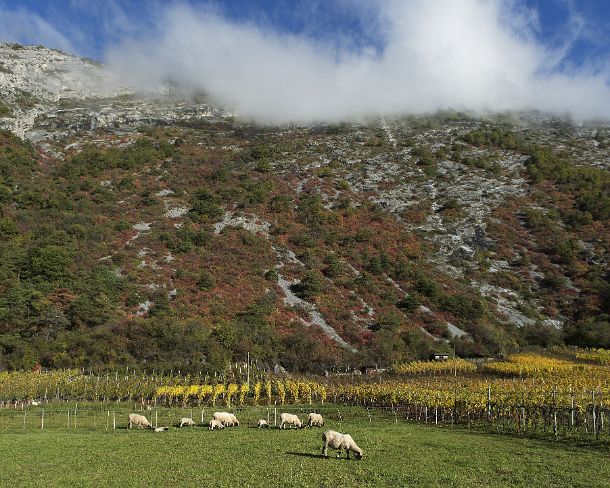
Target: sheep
139, 421
315, 419
228, 419
161, 429
34, 403
186, 421
339, 441
215, 424
262, 423
290, 419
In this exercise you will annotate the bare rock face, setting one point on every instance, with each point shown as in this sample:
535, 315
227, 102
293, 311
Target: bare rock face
50, 92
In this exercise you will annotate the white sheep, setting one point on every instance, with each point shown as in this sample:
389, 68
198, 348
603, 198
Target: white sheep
228, 419
262, 423
139, 421
315, 419
161, 429
34, 403
336, 440
186, 421
290, 419
215, 424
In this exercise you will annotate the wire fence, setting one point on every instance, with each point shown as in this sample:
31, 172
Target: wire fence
591, 424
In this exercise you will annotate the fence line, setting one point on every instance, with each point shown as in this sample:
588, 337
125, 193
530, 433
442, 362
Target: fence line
556, 422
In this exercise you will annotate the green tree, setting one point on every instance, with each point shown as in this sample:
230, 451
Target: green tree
206, 204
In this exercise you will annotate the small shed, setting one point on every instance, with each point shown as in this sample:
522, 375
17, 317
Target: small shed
372, 370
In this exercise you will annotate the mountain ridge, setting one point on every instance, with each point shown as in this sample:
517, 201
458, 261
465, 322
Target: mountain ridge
166, 231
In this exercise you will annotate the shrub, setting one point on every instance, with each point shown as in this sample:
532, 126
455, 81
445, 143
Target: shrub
5, 110
206, 204
408, 304
205, 282
50, 263
311, 285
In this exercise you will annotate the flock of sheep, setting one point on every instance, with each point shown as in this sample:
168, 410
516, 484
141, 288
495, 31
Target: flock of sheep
220, 420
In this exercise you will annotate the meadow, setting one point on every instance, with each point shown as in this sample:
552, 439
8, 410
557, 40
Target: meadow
526, 420
92, 453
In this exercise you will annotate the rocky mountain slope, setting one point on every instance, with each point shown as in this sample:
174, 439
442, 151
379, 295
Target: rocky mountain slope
47, 90
162, 231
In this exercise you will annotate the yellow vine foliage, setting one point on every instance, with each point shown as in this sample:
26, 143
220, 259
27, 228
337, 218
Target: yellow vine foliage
600, 356
528, 380
450, 366
257, 392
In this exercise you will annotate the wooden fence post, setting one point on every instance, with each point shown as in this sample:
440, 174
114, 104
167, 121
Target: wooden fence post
489, 403
593, 412
555, 411
42, 420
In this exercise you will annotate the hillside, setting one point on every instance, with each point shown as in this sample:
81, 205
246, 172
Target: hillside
166, 232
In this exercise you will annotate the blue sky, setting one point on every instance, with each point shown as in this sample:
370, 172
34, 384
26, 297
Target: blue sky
90, 26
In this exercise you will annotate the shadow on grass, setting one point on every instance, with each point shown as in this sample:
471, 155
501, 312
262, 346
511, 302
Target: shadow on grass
307, 454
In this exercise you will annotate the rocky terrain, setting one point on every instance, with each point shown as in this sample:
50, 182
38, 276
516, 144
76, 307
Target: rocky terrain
49, 91
161, 229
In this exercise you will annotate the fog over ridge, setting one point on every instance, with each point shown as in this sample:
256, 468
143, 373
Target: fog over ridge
478, 55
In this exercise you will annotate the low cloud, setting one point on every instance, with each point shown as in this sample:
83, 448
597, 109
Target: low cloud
480, 55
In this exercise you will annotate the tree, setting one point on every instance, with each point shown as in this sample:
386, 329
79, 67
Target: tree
408, 304
310, 286
206, 204
50, 263
205, 282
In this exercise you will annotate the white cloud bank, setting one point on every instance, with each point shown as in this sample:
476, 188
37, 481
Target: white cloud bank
464, 54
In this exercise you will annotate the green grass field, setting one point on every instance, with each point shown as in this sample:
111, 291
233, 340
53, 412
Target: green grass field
396, 455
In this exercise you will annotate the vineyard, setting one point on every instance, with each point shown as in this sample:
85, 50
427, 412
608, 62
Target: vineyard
524, 393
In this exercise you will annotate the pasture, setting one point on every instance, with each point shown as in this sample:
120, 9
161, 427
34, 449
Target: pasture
91, 453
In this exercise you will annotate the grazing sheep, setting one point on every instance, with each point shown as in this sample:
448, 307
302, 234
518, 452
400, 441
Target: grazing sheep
336, 440
186, 421
139, 421
315, 420
290, 419
34, 403
215, 424
228, 419
262, 423
161, 429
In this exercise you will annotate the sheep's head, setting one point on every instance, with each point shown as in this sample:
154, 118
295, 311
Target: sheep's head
358, 454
